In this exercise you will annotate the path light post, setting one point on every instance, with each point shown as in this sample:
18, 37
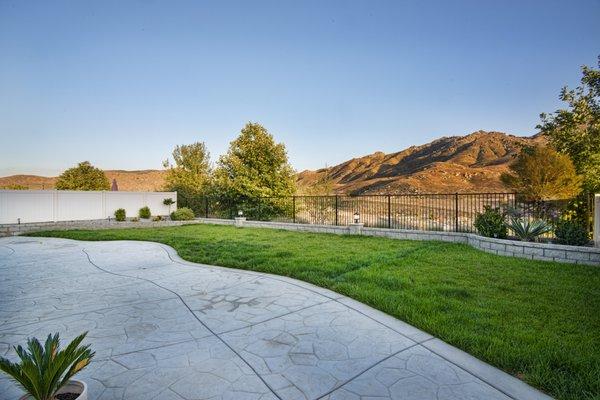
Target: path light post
239, 220
355, 228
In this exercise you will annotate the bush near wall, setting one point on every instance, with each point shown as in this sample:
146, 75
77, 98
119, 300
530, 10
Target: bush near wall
571, 233
120, 214
145, 212
182, 214
491, 223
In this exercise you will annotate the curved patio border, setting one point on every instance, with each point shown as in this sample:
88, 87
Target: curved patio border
499, 380
495, 378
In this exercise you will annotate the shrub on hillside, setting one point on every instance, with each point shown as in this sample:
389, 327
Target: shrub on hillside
491, 223
182, 214
571, 233
120, 214
145, 212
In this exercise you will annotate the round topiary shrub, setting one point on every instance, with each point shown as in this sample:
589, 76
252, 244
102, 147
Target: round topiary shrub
491, 223
182, 214
120, 214
145, 212
571, 233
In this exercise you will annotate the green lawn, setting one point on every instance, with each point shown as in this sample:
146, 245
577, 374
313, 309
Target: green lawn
537, 320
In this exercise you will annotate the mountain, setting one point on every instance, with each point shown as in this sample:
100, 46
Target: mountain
471, 163
144, 180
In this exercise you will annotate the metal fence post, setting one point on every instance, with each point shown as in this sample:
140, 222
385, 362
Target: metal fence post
456, 212
336, 209
389, 211
597, 220
206, 206
294, 209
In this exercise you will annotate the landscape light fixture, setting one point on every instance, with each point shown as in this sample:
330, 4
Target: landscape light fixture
356, 217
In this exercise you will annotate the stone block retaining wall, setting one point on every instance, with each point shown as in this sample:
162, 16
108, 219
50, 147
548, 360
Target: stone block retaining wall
503, 247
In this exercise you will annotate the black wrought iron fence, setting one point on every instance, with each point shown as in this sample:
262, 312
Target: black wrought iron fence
438, 212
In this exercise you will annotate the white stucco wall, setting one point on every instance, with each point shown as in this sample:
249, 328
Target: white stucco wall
68, 205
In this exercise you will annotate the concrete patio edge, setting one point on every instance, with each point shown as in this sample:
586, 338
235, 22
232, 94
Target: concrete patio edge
500, 380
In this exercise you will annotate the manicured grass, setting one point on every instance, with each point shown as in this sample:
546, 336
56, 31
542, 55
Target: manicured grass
537, 320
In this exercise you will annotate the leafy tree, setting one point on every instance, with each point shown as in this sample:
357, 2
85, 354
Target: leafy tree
575, 131
541, 173
254, 172
190, 175
83, 177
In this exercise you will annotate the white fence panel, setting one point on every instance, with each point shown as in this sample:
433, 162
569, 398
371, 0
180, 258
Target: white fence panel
128, 200
66, 205
71, 206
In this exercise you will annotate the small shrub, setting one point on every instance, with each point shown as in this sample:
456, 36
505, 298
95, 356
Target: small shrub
529, 230
571, 233
182, 214
135, 219
491, 223
157, 218
168, 202
45, 368
145, 212
120, 214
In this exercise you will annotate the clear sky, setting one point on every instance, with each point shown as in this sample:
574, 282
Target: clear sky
120, 83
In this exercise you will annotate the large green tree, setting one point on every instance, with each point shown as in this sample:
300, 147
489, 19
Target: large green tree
189, 175
255, 171
541, 173
575, 130
83, 177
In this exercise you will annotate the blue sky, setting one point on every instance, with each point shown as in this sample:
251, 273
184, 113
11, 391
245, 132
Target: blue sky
121, 83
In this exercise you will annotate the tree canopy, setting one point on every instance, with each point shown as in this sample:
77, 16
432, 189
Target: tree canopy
255, 166
83, 177
190, 175
543, 174
575, 131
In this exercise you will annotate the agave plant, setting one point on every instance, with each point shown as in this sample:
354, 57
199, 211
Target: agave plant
43, 370
529, 230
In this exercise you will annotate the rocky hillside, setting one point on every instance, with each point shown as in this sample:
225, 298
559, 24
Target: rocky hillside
471, 163
144, 180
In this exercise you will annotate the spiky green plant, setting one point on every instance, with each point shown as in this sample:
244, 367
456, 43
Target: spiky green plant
527, 230
43, 370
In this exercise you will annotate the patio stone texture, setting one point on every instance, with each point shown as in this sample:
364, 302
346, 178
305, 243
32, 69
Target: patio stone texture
164, 328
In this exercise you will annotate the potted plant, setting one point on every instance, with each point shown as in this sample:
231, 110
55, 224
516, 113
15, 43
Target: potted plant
46, 372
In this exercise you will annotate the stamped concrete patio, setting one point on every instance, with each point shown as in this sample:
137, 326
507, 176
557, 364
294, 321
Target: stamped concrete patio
167, 329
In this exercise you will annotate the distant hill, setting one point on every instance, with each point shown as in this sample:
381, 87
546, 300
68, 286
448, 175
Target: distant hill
471, 163
144, 180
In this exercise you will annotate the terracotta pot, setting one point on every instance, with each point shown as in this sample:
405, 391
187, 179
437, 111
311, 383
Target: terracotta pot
73, 386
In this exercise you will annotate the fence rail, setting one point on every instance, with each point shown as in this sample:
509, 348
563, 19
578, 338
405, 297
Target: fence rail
437, 212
